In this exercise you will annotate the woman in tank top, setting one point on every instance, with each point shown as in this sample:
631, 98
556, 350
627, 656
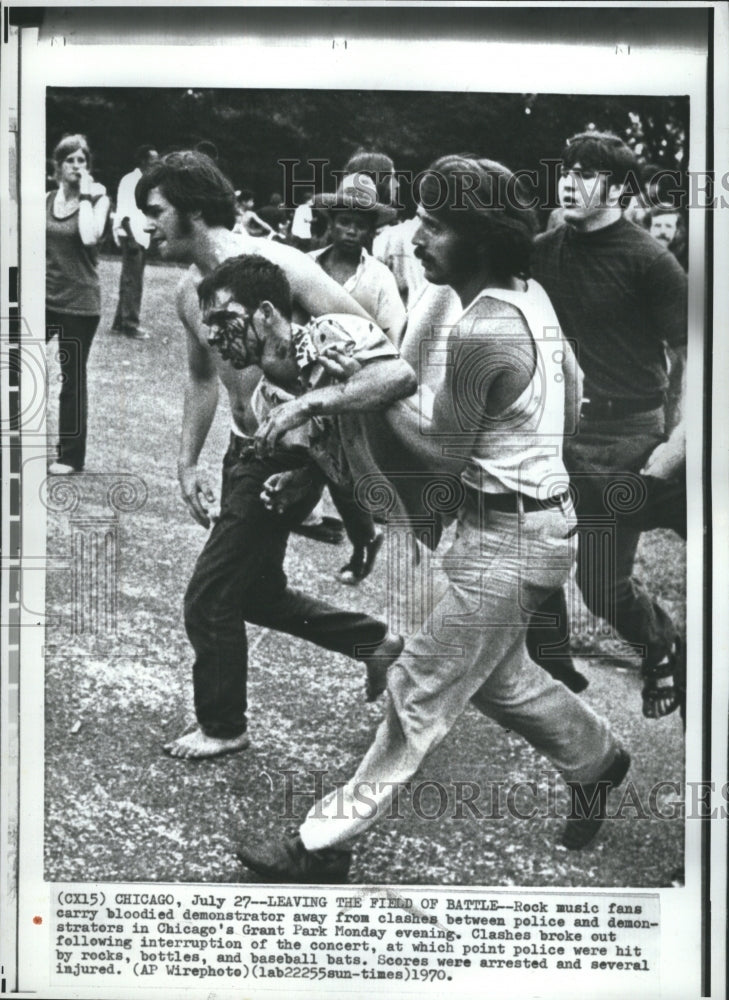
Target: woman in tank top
76, 216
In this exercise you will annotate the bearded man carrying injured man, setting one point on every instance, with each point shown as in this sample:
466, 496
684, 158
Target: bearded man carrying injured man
501, 410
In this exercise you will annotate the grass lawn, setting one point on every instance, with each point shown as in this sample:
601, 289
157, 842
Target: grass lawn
118, 809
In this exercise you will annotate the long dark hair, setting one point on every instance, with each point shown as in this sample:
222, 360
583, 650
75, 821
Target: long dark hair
488, 205
191, 182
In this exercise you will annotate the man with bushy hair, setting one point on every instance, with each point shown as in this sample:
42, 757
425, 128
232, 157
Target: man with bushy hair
190, 209
497, 427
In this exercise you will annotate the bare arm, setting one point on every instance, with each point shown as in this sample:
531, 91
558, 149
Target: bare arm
92, 217
374, 387
264, 225
414, 425
92, 220
573, 380
676, 399
312, 289
200, 404
391, 316
440, 436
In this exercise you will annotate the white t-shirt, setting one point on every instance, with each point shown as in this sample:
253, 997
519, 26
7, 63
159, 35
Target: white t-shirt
126, 208
374, 288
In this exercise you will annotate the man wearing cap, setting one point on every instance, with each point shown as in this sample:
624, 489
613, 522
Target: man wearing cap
393, 243
620, 296
354, 214
498, 423
190, 210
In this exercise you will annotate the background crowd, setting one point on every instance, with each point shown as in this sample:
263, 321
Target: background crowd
252, 135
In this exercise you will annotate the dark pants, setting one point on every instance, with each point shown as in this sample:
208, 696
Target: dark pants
126, 319
357, 521
239, 578
75, 334
611, 500
664, 506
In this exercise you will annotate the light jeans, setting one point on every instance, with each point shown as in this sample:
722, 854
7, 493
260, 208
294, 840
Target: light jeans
500, 568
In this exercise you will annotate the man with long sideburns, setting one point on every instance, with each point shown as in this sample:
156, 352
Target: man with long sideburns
239, 576
498, 421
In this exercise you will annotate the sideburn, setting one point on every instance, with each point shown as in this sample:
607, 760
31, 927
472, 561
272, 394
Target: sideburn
185, 222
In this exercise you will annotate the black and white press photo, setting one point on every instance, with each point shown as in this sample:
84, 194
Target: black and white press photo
362, 468
202, 603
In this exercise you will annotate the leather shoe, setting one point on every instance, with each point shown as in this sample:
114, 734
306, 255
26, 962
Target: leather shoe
329, 530
564, 670
589, 803
378, 663
363, 559
289, 861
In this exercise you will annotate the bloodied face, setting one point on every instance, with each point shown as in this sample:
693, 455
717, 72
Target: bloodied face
231, 330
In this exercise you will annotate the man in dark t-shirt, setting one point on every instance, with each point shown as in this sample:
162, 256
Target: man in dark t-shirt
621, 299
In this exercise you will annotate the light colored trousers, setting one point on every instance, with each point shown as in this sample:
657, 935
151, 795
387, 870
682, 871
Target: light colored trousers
499, 568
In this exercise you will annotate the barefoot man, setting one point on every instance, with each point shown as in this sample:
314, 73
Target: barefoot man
239, 576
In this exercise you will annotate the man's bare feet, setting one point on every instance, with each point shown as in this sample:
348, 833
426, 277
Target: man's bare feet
196, 744
378, 663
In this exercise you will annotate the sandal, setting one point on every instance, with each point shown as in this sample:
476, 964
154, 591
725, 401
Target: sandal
661, 699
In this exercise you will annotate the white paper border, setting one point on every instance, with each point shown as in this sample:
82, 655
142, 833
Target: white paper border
506, 70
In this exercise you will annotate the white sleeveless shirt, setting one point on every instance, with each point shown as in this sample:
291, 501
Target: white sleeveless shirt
522, 449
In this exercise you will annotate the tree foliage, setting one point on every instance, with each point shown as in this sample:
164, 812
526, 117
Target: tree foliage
254, 129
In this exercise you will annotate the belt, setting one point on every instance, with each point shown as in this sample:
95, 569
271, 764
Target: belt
614, 409
508, 503
295, 457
